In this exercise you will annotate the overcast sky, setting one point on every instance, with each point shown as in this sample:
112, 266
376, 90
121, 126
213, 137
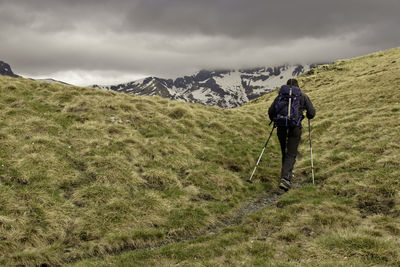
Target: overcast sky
109, 41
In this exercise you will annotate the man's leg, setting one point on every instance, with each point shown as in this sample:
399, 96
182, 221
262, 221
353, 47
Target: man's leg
282, 136
293, 140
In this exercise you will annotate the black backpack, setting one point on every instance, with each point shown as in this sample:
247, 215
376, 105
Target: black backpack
289, 96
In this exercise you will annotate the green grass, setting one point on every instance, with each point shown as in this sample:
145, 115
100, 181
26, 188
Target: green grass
95, 178
83, 171
352, 216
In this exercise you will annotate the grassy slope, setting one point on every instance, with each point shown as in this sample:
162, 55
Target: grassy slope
84, 172
352, 216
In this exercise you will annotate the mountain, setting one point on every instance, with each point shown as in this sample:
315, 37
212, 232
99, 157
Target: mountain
5, 70
224, 88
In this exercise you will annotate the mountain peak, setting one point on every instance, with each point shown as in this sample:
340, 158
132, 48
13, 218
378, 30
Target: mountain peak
223, 88
5, 69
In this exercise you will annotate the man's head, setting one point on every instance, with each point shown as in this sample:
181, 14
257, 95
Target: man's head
292, 82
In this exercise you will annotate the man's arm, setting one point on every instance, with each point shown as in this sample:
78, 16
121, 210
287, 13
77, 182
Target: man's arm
309, 107
271, 111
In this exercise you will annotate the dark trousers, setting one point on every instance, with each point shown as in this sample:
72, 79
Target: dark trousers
289, 138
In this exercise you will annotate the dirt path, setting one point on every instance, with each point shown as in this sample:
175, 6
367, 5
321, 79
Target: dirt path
249, 207
246, 208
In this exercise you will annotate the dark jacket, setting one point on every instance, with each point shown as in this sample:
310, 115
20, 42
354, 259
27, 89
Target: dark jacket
305, 104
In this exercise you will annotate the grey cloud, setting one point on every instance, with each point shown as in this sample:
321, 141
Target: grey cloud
271, 20
168, 37
234, 18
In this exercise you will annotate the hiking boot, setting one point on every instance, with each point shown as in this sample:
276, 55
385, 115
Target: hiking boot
284, 185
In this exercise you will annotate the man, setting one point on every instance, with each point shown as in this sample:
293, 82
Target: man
288, 122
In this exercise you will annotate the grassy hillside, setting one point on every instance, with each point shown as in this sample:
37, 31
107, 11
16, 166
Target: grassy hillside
85, 172
352, 216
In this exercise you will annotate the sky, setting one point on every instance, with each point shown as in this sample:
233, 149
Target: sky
110, 41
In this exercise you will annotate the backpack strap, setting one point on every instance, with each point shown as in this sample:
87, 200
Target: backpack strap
290, 101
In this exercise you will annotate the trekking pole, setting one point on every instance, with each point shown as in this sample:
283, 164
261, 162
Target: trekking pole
312, 164
259, 158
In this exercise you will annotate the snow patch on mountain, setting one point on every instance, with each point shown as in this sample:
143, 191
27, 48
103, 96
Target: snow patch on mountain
224, 88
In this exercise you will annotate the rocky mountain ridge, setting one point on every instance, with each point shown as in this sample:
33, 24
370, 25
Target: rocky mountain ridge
224, 88
5, 69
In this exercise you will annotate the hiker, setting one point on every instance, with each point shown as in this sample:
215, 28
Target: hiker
288, 123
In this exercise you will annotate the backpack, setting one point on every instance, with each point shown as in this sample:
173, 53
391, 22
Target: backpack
288, 96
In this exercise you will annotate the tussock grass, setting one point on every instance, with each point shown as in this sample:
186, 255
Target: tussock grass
85, 172
352, 216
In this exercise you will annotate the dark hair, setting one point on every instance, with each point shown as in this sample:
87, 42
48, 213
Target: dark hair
292, 82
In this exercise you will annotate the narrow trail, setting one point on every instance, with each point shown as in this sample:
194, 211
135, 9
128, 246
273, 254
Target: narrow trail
249, 207
246, 208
